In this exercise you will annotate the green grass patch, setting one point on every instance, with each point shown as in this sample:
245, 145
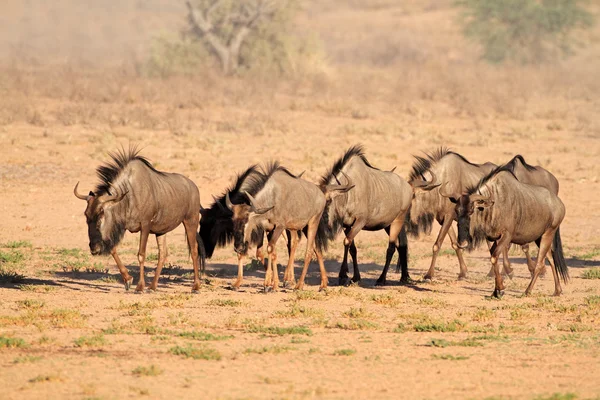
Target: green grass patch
593, 273
36, 288
31, 304
344, 352
224, 303
558, 396
298, 340
470, 342
203, 336
386, 299
439, 326
11, 257
280, 331
74, 252
356, 313
356, 324
11, 342
152, 370
592, 301
276, 349
90, 341
590, 255
26, 359
17, 244
449, 357
189, 351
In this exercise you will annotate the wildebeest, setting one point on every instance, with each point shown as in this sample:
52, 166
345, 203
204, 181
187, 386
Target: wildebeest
532, 175
134, 196
216, 225
501, 209
427, 205
379, 200
282, 201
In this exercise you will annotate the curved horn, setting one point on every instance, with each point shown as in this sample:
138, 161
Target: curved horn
228, 202
425, 185
393, 169
219, 204
444, 193
114, 197
300, 174
477, 197
251, 199
253, 205
77, 194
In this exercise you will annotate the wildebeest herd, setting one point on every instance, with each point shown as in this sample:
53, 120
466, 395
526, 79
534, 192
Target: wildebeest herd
500, 205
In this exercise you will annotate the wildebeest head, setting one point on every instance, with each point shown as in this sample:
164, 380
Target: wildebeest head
246, 218
465, 206
105, 230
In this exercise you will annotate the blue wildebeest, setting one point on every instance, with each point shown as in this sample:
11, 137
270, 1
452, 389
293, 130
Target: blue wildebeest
134, 196
531, 175
501, 209
428, 205
379, 200
283, 201
216, 225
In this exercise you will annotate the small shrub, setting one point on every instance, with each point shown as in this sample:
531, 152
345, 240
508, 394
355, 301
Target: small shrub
269, 349
203, 336
17, 244
189, 351
46, 378
449, 357
11, 343
344, 352
152, 370
26, 359
224, 303
9, 276
593, 273
31, 304
592, 301
90, 341
439, 326
280, 331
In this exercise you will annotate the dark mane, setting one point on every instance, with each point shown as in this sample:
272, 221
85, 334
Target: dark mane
216, 228
488, 177
513, 163
108, 172
423, 164
354, 151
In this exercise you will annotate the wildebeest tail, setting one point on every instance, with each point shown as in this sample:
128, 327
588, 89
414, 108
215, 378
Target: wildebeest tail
423, 225
201, 252
402, 251
558, 257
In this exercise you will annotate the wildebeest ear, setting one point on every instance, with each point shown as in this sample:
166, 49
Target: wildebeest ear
91, 193
453, 200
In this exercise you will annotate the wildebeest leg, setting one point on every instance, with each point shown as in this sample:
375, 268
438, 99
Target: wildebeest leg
545, 243
354, 255
324, 279
402, 248
260, 255
497, 249
288, 277
145, 232
349, 241
127, 279
446, 224
343, 275
459, 253
313, 224
161, 242
393, 231
506, 268
557, 288
531, 263
240, 275
190, 225
272, 277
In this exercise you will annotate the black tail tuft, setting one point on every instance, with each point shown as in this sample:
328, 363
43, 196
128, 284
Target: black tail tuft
402, 251
559, 258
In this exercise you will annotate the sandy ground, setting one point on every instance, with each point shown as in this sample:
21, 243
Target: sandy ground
83, 336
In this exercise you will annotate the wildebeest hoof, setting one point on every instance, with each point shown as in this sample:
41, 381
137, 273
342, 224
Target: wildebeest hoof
462, 277
289, 285
498, 294
235, 288
151, 290
380, 282
267, 289
128, 283
344, 281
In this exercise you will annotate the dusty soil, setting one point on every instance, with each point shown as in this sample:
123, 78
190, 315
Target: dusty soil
84, 336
